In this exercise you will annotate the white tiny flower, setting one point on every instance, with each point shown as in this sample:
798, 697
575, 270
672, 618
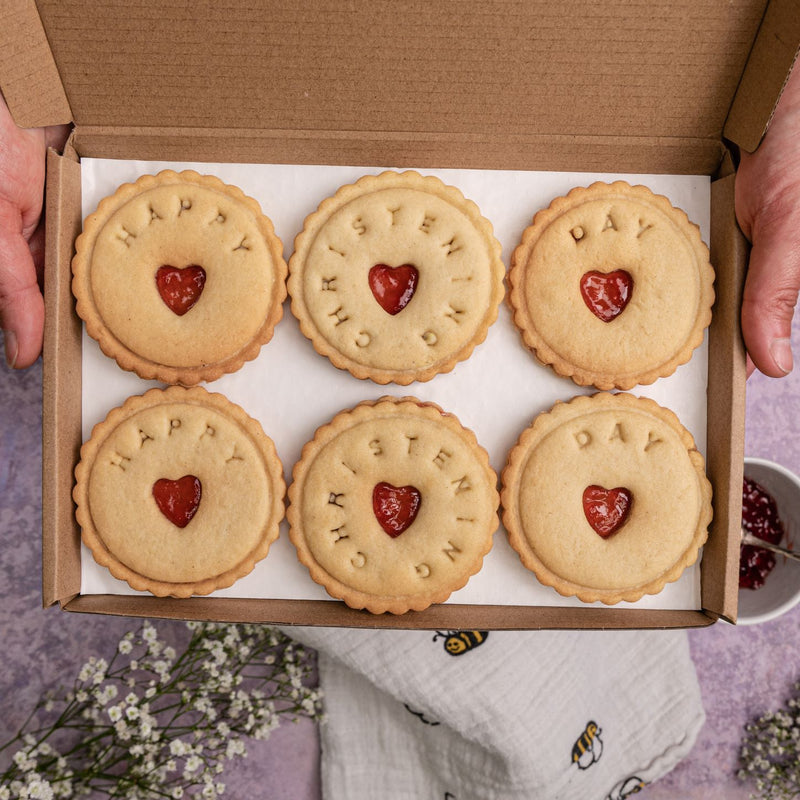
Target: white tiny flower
177, 747
177, 792
40, 790
23, 761
308, 705
122, 730
193, 763
115, 713
125, 647
235, 748
155, 648
149, 633
132, 713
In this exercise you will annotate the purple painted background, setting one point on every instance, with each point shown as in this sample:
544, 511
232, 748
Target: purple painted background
743, 671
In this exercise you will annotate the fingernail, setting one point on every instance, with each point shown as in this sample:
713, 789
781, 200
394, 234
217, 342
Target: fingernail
781, 352
12, 348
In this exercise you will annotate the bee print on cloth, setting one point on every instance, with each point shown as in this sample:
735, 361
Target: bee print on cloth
589, 746
459, 642
420, 715
626, 788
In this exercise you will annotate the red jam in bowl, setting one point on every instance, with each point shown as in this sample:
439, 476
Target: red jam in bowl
760, 519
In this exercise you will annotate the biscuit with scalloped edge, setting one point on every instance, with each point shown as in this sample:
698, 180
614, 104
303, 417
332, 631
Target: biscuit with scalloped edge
605, 498
612, 286
179, 277
396, 278
179, 492
393, 505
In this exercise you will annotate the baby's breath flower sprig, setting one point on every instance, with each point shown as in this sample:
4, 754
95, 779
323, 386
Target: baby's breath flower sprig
154, 723
770, 754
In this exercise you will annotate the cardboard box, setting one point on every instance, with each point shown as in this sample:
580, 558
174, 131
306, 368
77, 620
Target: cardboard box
618, 86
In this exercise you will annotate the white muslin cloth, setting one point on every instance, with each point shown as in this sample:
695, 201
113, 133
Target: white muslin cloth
502, 715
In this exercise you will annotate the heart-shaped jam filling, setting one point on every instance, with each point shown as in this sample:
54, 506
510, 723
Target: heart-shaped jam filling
395, 507
178, 500
606, 510
180, 288
393, 287
606, 293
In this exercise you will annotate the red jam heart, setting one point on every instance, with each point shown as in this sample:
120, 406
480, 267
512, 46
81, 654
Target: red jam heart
606, 510
760, 519
395, 507
178, 500
606, 293
180, 288
393, 287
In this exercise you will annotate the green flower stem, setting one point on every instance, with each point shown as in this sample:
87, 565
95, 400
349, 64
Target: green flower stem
229, 682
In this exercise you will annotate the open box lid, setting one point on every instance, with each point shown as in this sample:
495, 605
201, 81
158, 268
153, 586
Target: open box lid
471, 90
493, 84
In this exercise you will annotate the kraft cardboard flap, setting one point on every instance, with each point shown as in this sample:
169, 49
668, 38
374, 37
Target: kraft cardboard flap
29, 78
375, 66
774, 52
726, 404
61, 402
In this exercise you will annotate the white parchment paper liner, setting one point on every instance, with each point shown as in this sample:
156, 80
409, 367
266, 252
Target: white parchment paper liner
292, 390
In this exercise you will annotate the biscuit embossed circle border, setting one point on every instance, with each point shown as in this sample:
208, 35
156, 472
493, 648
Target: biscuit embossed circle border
367, 184
100, 330
177, 395
367, 412
544, 424
525, 319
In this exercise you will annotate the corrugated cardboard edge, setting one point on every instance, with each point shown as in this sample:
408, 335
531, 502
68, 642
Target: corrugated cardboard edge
442, 617
725, 403
61, 402
404, 149
29, 77
774, 52
62, 439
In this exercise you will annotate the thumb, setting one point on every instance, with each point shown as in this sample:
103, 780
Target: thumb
771, 290
21, 303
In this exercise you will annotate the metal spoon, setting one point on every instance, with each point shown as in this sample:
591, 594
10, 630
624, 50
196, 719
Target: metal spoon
755, 542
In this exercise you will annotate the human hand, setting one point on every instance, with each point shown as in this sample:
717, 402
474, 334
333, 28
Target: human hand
22, 167
768, 211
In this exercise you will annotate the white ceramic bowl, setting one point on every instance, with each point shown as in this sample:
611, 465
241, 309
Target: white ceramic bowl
781, 590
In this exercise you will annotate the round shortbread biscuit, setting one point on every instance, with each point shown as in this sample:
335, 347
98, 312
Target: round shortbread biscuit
396, 278
179, 277
612, 286
567, 472
179, 492
393, 506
